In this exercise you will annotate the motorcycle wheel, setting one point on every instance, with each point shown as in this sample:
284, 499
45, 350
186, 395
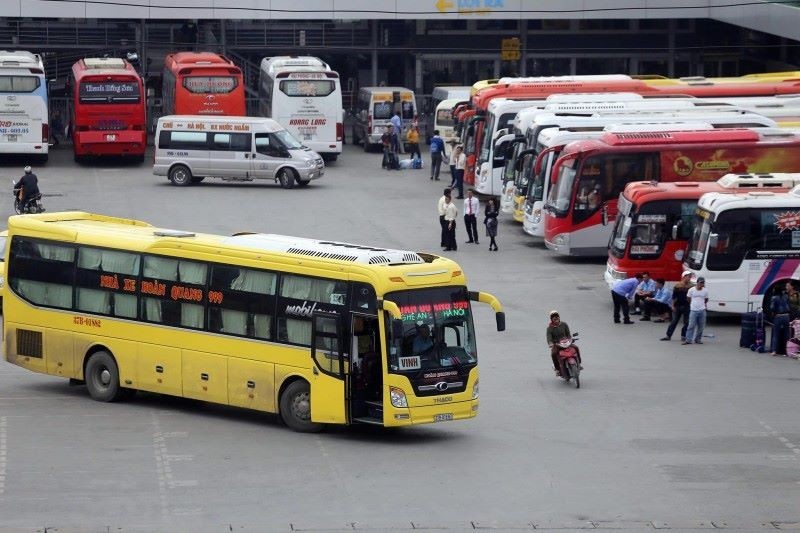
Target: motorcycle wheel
574, 373
17, 207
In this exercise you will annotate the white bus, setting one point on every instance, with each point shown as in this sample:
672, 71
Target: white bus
24, 125
592, 125
444, 122
304, 95
745, 245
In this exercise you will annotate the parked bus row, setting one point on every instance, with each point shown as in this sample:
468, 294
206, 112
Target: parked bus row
562, 151
107, 112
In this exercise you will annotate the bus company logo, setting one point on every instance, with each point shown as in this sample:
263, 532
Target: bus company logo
683, 166
303, 310
788, 220
713, 166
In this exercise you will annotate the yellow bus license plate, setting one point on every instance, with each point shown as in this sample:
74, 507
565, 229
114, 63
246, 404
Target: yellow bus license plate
442, 417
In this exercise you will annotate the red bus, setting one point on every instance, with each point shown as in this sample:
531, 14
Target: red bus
107, 111
770, 84
202, 83
654, 221
589, 175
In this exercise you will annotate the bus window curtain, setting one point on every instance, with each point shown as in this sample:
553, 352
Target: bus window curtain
161, 268
152, 310
191, 272
59, 295
234, 322
56, 253
192, 315
263, 326
254, 281
298, 331
94, 301
125, 305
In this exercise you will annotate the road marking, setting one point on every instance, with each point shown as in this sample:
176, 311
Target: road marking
3, 451
159, 451
792, 447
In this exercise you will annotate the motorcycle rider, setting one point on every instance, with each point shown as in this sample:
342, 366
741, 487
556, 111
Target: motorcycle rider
27, 188
557, 330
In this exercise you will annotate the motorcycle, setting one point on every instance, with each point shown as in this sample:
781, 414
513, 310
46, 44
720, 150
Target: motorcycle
32, 205
569, 359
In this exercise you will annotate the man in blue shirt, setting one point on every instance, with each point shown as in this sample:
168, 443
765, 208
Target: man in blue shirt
621, 292
660, 303
646, 289
437, 151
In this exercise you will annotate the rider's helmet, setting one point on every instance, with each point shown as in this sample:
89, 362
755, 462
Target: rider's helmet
553, 313
28, 169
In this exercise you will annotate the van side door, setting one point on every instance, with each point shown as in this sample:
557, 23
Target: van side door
230, 155
267, 156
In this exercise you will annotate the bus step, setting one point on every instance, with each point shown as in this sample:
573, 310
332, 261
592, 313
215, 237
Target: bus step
369, 420
374, 409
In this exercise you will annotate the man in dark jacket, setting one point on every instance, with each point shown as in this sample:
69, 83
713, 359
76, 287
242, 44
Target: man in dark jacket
556, 330
27, 187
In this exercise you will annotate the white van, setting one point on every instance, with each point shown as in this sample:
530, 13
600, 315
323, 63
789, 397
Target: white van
189, 149
376, 105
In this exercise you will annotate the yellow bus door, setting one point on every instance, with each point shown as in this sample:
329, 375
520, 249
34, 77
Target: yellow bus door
328, 399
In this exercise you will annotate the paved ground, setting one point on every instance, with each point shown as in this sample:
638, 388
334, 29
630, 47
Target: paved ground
660, 436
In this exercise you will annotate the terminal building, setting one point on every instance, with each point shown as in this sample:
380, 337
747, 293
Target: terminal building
418, 44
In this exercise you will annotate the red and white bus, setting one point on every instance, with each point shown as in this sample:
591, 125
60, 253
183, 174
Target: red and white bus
590, 174
202, 83
107, 109
654, 221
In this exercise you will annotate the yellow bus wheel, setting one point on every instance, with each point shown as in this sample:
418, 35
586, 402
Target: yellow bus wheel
296, 408
102, 377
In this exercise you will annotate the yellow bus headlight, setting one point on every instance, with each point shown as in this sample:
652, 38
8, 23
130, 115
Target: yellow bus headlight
398, 397
475, 390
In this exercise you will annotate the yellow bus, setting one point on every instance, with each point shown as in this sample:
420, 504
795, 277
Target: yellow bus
320, 332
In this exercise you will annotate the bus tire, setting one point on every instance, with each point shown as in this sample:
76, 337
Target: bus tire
286, 178
295, 408
102, 377
180, 175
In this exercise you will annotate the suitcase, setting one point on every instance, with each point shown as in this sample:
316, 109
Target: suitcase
761, 335
747, 337
393, 163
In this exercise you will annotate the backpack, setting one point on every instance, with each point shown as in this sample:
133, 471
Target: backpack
416, 163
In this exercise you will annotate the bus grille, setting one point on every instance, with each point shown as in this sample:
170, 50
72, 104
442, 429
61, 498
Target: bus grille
29, 343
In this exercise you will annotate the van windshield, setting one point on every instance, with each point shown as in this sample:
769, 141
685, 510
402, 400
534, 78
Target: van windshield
288, 140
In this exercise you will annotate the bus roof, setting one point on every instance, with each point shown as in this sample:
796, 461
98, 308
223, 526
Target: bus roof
275, 64
446, 92
281, 252
100, 66
707, 89
720, 201
20, 59
651, 140
640, 192
185, 62
717, 116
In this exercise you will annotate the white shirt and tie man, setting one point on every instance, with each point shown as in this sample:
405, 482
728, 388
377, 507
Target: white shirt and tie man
450, 215
472, 209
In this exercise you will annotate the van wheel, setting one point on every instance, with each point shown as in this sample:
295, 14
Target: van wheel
295, 408
286, 178
180, 175
102, 377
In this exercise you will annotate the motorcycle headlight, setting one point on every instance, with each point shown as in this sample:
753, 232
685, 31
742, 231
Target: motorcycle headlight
398, 397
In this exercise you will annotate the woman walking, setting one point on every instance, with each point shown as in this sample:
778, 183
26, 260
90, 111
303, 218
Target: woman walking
490, 221
412, 139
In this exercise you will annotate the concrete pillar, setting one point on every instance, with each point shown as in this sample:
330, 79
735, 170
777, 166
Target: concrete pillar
418, 74
671, 46
374, 52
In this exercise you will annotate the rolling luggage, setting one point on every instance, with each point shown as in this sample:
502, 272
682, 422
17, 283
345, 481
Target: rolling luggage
747, 337
761, 334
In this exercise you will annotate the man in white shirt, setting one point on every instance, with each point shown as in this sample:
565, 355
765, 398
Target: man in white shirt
442, 225
450, 214
472, 209
698, 301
